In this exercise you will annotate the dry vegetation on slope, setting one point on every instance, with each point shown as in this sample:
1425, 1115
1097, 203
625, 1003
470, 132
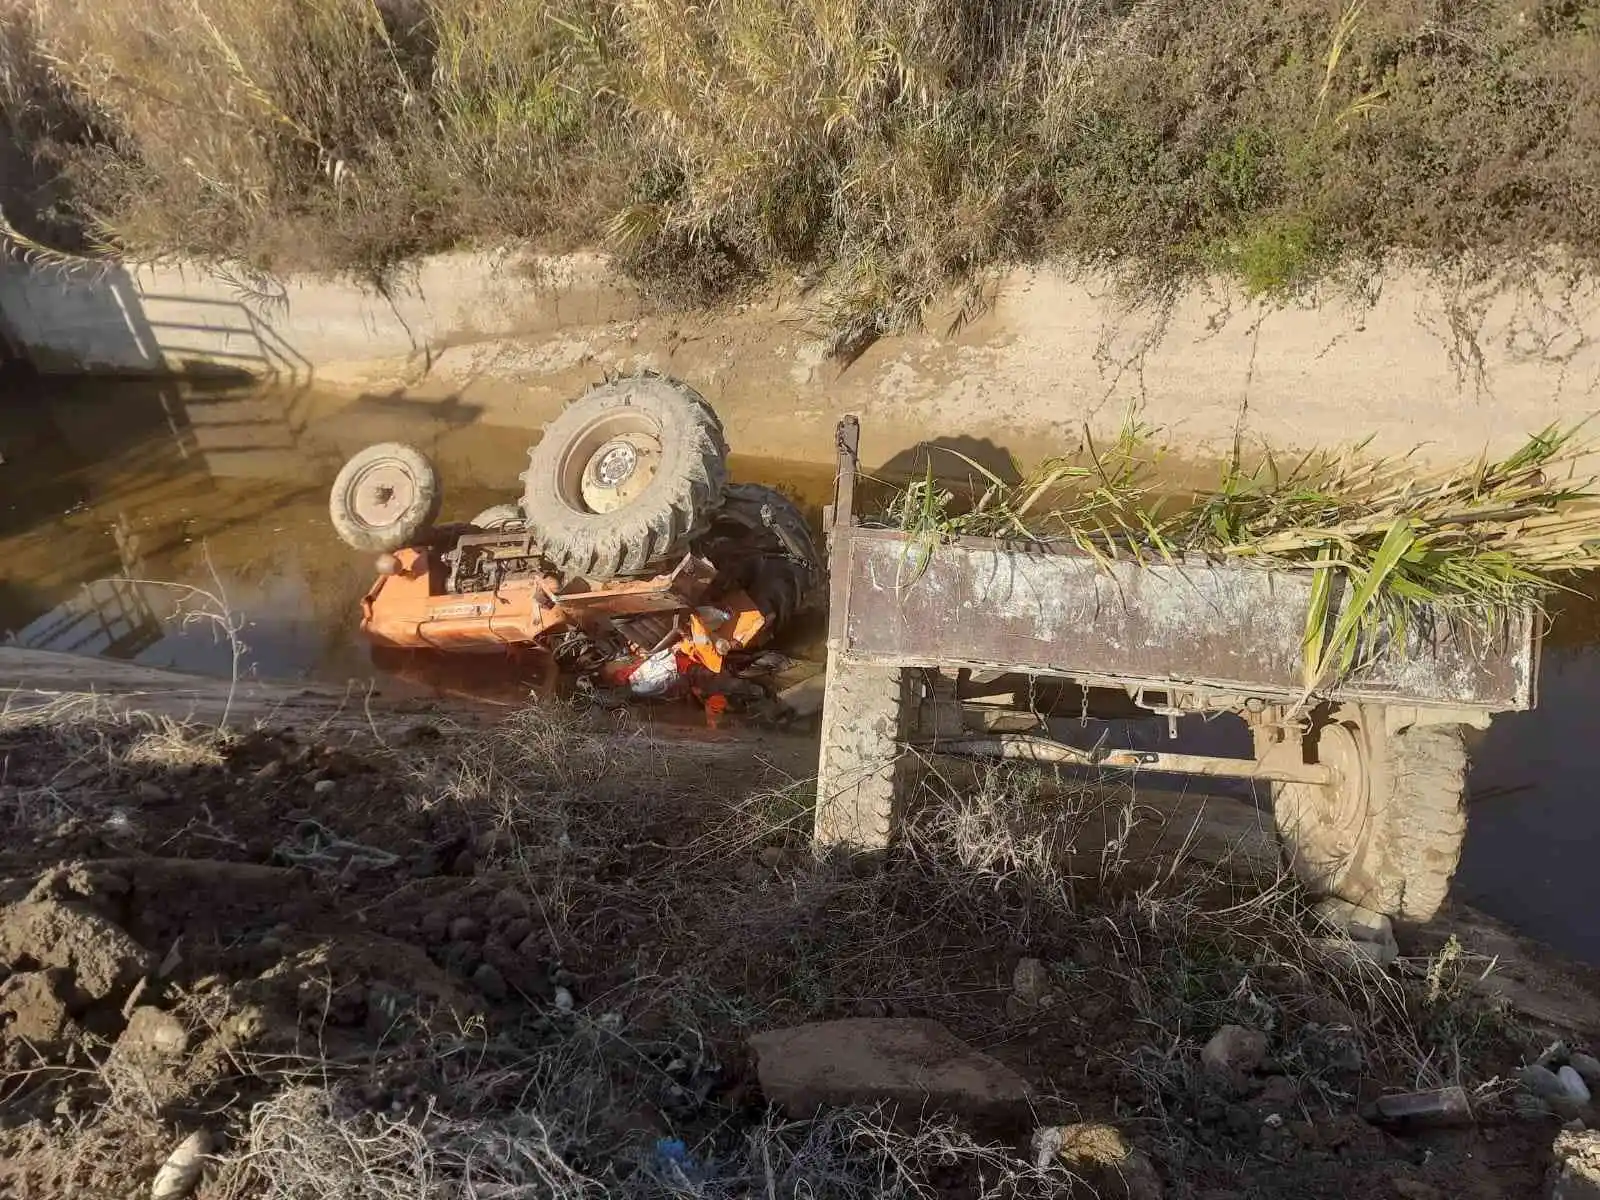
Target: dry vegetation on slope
882, 151
526, 962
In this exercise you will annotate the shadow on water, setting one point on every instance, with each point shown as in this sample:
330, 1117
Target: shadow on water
1533, 798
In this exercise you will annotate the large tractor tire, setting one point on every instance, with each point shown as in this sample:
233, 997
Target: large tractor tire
384, 498
763, 534
1387, 835
625, 478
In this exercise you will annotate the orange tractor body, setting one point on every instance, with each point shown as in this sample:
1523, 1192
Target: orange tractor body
408, 607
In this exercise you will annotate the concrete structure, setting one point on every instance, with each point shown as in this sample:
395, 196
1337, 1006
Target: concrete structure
1423, 360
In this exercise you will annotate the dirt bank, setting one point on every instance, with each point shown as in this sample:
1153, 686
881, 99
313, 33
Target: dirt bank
403, 956
1429, 363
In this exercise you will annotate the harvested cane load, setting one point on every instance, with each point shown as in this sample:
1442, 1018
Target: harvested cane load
1474, 542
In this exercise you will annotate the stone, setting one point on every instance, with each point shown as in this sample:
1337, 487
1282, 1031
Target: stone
1233, 1049
152, 793
490, 982
1101, 1157
183, 1167
1572, 1085
1574, 1167
465, 929
152, 1034
1352, 953
516, 931
1542, 1082
1588, 1068
1030, 982
564, 1001
917, 1065
1438, 1108
1358, 923
324, 787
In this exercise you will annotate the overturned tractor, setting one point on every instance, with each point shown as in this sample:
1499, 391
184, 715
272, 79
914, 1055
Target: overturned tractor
629, 557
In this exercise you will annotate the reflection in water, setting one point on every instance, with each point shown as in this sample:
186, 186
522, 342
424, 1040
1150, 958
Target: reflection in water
1533, 806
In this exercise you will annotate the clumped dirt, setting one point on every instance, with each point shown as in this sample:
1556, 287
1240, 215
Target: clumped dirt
559, 936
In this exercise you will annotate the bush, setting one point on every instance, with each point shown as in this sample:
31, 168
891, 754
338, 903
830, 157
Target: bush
885, 151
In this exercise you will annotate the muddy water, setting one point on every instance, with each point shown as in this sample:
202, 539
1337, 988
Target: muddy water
130, 513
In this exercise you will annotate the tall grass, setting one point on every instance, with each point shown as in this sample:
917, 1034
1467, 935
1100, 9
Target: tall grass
884, 152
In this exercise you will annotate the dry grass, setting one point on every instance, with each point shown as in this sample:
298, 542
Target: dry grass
690, 911
881, 153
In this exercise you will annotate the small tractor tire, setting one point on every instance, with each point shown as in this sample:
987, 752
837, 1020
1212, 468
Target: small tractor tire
862, 770
625, 478
384, 498
1387, 835
499, 517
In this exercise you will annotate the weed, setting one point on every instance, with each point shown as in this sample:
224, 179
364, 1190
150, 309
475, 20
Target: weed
886, 152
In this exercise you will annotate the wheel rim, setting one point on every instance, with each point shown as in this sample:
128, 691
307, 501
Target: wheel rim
381, 493
1326, 825
610, 463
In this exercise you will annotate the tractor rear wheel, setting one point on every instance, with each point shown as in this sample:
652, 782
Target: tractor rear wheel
625, 478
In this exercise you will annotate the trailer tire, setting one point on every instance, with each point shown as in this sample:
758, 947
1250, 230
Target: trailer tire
625, 477
384, 498
862, 767
1390, 840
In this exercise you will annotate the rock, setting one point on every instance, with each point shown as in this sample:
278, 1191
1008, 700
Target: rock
152, 1034
804, 699
1233, 1049
1588, 1068
271, 771
1542, 1082
516, 931
183, 1167
465, 929
913, 1064
1278, 1093
508, 904
1354, 953
152, 793
563, 1000
1554, 1056
1575, 1167
1357, 923
103, 960
490, 982
1030, 982
1439, 1108
34, 1013
1101, 1157
1572, 1085
324, 787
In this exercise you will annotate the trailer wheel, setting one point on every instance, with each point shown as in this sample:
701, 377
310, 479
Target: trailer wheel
861, 771
625, 478
384, 498
1388, 834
